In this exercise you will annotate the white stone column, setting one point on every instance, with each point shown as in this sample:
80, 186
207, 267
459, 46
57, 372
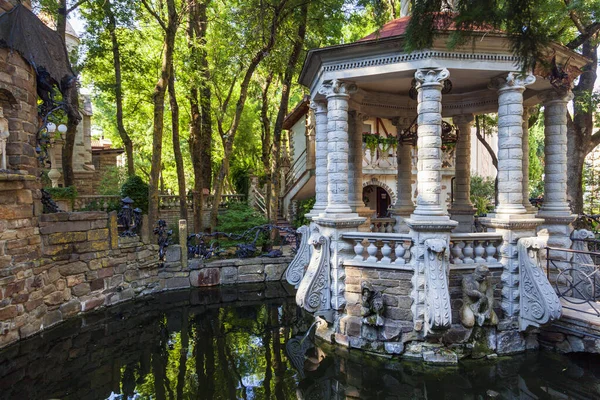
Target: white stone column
320, 111
337, 93
526, 203
355, 160
429, 143
555, 150
510, 142
556, 211
404, 205
462, 209
511, 219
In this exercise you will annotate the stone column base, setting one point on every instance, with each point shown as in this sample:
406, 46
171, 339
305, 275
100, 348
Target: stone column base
465, 216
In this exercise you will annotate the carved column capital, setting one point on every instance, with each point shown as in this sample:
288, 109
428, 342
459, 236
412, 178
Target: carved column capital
335, 87
318, 107
514, 81
462, 119
555, 96
358, 115
402, 122
431, 76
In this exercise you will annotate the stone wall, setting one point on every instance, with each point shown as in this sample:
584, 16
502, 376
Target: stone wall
395, 287
18, 98
77, 262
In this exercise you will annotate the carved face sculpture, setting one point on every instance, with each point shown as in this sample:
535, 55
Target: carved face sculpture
481, 273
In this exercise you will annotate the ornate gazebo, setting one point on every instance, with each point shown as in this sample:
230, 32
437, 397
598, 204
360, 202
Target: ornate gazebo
418, 269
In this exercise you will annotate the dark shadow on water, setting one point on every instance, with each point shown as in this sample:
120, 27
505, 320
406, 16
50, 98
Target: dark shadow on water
250, 342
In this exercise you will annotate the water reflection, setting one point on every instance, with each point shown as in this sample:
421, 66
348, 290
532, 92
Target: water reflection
250, 342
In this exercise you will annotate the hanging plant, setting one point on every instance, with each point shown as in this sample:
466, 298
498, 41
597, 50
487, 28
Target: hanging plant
372, 141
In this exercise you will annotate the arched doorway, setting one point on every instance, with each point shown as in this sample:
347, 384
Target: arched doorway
377, 199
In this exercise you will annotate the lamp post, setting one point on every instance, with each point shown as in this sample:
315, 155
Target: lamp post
54, 173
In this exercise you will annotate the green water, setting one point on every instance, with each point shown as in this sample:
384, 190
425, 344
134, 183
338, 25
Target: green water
237, 343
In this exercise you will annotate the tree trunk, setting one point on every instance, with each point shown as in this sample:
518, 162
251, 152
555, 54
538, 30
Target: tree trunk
158, 98
201, 124
580, 138
177, 145
111, 27
239, 108
275, 189
73, 119
267, 146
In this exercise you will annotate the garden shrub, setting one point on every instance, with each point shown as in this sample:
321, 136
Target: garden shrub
304, 207
482, 194
136, 189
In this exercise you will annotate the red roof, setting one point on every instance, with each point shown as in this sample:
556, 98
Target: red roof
398, 27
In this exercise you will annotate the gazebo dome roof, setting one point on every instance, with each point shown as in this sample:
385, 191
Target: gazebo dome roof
398, 27
384, 71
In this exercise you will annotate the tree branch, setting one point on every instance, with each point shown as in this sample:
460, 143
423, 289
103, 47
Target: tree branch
155, 15
575, 18
594, 141
485, 143
74, 6
589, 32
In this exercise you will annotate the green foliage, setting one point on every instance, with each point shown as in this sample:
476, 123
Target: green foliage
135, 188
536, 157
112, 179
238, 218
62, 193
482, 193
304, 206
530, 24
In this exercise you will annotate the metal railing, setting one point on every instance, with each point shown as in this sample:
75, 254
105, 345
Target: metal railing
296, 170
575, 275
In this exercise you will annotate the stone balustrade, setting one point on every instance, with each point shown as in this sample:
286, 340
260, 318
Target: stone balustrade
383, 225
382, 158
475, 248
380, 250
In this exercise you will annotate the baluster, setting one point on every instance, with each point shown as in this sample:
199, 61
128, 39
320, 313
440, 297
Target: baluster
389, 228
479, 252
468, 253
381, 227
490, 251
372, 227
457, 255
358, 249
372, 250
386, 251
400, 251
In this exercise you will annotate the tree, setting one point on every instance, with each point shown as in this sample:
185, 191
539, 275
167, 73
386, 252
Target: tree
102, 17
228, 134
200, 141
169, 27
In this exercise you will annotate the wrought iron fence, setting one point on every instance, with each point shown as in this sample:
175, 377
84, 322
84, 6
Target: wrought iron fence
575, 275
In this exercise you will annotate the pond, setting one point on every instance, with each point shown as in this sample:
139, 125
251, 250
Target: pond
247, 342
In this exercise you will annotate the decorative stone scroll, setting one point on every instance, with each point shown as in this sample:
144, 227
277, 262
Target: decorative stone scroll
295, 271
313, 293
539, 304
438, 316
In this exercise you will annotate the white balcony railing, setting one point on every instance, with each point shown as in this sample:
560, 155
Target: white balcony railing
475, 248
379, 250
